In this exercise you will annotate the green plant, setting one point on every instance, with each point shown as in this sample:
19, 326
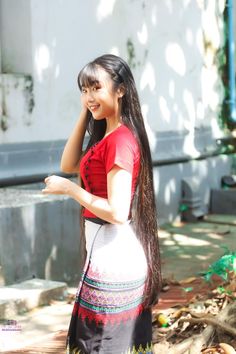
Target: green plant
222, 267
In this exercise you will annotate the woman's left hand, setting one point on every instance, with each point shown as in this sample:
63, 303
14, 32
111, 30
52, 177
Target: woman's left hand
57, 185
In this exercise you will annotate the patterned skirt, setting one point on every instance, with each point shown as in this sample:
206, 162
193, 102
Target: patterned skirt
108, 314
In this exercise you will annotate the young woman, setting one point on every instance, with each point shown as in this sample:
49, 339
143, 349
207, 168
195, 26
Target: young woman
122, 277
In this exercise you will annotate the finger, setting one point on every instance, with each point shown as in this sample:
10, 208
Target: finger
48, 190
48, 178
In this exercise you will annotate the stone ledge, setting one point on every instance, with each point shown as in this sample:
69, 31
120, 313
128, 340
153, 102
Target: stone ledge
22, 297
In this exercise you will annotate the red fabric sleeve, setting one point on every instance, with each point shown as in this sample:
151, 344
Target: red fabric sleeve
119, 152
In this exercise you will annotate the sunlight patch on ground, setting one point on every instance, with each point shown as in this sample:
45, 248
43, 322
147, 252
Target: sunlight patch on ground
202, 257
163, 234
187, 256
185, 240
201, 230
36, 325
215, 236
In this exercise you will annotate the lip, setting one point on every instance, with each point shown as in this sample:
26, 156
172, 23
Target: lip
94, 107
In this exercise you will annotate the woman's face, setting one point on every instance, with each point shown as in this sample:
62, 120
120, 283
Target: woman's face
101, 98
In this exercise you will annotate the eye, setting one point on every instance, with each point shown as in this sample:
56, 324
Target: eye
96, 87
83, 90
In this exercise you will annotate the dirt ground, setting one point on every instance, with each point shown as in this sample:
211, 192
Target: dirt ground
192, 314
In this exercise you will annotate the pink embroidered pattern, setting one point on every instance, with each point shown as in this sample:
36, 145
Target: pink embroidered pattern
104, 301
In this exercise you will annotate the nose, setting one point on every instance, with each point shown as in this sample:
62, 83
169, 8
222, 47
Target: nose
90, 96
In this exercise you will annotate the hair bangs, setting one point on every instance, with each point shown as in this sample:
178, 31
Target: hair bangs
88, 76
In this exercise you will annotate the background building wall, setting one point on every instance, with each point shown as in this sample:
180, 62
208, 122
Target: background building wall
170, 46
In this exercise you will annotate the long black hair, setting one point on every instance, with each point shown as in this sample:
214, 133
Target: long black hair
144, 216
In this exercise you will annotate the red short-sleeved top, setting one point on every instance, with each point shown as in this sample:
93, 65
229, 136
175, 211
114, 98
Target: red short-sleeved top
119, 148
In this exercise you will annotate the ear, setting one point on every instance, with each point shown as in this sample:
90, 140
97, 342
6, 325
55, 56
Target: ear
121, 91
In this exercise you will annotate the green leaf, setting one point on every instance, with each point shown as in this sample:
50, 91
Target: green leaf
222, 266
187, 290
222, 290
183, 207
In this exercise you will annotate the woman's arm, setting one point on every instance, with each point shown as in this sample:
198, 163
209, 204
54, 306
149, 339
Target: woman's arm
73, 149
114, 209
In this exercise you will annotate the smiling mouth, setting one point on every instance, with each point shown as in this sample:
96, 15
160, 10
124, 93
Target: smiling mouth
94, 107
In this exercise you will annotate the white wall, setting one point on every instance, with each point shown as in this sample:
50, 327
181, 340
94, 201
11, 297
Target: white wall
173, 42
15, 25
